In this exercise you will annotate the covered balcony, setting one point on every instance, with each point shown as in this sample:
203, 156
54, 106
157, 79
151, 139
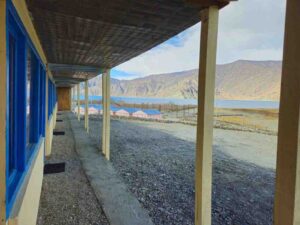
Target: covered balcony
49, 47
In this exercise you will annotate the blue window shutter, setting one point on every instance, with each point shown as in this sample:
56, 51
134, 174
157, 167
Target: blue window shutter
16, 132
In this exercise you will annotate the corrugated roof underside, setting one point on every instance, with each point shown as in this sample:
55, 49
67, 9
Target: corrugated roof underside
105, 33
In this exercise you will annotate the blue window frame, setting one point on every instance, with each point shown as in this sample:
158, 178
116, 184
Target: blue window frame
28, 95
12, 117
34, 102
42, 101
12, 153
26, 79
16, 91
51, 97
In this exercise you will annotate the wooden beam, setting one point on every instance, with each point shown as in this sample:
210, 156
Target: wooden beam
78, 102
287, 195
106, 114
70, 80
86, 115
75, 68
206, 87
208, 3
3, 104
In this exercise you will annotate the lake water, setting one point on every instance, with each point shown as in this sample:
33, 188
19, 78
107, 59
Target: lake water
218, 103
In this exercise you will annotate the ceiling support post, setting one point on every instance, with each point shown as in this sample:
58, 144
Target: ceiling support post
106, 114
78, 101
73, 98
287, 194
103, 113
206, 87
86, 111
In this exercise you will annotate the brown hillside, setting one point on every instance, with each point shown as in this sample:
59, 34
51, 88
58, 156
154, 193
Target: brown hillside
244, 80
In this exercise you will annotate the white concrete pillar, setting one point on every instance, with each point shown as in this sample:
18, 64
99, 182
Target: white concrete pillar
287, 195
206, 87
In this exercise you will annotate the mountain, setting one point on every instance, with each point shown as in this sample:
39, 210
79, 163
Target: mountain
240, 80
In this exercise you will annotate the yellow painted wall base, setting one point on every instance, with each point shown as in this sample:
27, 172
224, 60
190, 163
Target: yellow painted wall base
27, 210
49, 132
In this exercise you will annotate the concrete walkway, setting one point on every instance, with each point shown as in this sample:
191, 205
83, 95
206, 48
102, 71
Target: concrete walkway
119, 205
67, 198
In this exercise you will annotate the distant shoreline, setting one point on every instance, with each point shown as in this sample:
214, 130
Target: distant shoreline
219, 103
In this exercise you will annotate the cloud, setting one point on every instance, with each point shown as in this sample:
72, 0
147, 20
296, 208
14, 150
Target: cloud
250, 30
167, 57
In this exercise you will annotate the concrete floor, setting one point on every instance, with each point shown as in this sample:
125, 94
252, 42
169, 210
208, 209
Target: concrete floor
119, 204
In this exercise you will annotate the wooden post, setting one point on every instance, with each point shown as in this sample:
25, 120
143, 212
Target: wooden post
206, 87
86, 114
78, 101
103, 120
287, 195
72, 98
106, 114
107, 142
3, 97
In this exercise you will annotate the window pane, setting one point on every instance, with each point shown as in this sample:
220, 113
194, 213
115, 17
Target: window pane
28, 96
12, 55
42, 100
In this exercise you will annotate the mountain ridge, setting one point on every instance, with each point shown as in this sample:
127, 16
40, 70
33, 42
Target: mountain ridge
239, 80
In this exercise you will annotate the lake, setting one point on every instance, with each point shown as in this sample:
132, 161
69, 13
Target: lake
249, 104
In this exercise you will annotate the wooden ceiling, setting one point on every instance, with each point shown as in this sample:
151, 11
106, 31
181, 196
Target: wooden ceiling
83, 37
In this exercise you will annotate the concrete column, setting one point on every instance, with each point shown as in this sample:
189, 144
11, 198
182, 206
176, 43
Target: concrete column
78, 101
287, 195
206, 87
86, 114
106, 114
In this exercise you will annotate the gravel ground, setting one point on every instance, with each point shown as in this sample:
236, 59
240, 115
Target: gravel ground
67, 198
256, 148
158, 168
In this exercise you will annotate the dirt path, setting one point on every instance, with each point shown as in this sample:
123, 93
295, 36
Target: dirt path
158, 168
67, 198
251, 147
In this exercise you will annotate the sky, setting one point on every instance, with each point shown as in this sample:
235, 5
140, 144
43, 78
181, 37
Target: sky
248, 29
